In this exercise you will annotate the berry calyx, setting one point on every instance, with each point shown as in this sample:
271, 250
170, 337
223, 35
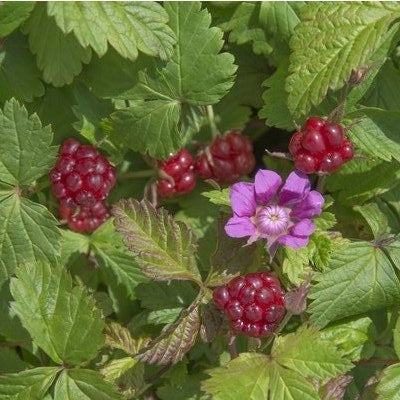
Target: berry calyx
81, 176
254, 303
180, 169
227, 158
84, 218
320, 146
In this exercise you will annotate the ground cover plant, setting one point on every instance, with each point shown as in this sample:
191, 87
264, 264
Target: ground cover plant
199, 200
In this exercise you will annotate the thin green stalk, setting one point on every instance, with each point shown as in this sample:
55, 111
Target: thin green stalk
211, 119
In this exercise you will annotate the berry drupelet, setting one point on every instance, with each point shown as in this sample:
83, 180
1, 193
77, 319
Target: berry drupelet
254, 303
227, 158
81, 176
180, 168
320, 146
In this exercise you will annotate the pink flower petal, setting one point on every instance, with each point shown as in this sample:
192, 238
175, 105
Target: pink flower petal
243, 200
293, 241
266, 185
311, 206
295, 189
240, 227
303, 228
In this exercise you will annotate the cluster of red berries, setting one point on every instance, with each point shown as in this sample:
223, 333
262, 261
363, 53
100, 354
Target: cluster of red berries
225, 160
81, 179
320, 146
254, 303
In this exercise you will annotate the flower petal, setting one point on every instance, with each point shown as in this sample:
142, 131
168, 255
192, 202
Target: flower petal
293, 241
243, 200
239, 227
295, 189
311, 206
303, 228
266, 185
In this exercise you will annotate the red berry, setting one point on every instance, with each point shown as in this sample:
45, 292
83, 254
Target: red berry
320, 146
227, 158
81, 176
84, 218
254, 303
180, 167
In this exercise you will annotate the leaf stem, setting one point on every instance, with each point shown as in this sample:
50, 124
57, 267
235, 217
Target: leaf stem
320, 183
146, 173
279, 329
211, 119
232, 346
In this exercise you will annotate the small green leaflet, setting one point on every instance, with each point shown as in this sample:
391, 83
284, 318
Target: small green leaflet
389, 385
127, 26
84, 384
164, 249
396, 337
19, 75
61, 319
13, 14
196, 75
331, 40
27, 385
117, 368
219, 197
361, 279
59, 56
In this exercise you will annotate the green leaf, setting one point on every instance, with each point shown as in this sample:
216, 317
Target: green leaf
320, 249
114, 258
13, 14
389, 386
164, 249
27, 385
295, 264
196, 75
128, 27
175, 340
307, 353
25, 146
59, 56
73, 242
10, 362
19, 76
354, 339
245, 377
331, 40
361, 279
116, 368
396, 337
61, 319
28, 233
375, 134
325, 221
219, 197
83, 384
190, 390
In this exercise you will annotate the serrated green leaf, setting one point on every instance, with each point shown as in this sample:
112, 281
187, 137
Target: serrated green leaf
61, 319
361, 279
59, 56
295, 263
307, 353
13, 14
396, 337
73, 242
28, 234
196, 75
175, 340
27, 385
164, 249
389, 385
320, 249
116, 368
83, 384
219, 197
126, 26
354, 339
19, 76
165, 316
10, 362
245, 377
331, 40
190, 390
25, 146
325, 221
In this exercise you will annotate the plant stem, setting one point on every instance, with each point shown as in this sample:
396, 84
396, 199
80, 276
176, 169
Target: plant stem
280, 327
375, 361
232, 346
146, 173
152, 380
320, 183
211, 119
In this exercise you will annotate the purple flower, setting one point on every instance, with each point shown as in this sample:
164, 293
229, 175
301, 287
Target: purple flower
280, 215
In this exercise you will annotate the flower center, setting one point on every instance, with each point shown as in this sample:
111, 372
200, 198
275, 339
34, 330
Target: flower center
272, 220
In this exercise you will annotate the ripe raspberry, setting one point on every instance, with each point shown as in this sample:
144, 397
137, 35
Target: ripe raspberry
254, 303
180, 167
81, 176
227, 158
320, 146
84, 218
